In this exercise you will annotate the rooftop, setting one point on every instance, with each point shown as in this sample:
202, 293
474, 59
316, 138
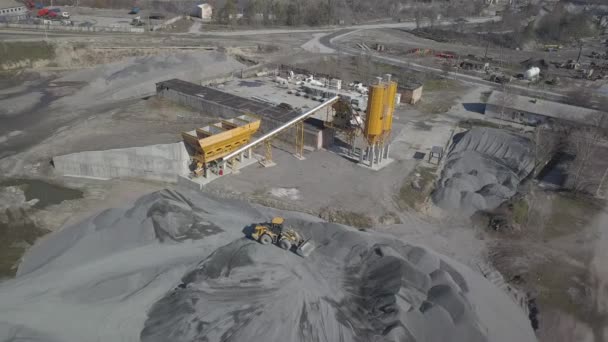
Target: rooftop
10, 4
252, 106
542, 107
409, 85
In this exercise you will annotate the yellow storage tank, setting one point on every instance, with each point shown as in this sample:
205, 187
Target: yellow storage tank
389, 105
375, 111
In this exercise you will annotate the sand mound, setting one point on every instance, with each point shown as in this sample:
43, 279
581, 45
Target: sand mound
483, 170
153, 272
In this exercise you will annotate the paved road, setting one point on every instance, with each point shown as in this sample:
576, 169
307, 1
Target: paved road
329, 41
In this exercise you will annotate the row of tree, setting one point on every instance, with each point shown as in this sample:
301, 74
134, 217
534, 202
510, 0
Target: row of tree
327, 12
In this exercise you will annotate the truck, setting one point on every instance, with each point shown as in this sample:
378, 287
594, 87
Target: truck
45, 13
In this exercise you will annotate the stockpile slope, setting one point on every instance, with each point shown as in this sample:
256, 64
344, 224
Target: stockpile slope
176, 266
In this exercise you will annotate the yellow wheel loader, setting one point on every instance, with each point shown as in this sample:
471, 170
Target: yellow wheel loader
286, 238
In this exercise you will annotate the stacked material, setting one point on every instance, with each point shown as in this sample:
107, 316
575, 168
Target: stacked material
483, 170
175, 267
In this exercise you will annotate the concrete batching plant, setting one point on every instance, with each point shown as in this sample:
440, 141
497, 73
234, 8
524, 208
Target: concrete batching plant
379, 121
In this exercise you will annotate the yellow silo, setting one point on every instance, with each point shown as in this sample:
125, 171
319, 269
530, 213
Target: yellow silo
389, 105
375, 111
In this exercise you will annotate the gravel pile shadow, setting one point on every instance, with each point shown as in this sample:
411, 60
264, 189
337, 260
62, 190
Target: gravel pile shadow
483, 170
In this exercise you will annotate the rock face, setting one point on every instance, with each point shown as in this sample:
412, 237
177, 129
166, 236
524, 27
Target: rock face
176, 267
483, 170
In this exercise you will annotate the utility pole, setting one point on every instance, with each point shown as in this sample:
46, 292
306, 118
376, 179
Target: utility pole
485, 56
580, 51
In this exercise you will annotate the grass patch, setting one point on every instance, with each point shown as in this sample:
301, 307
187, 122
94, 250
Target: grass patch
390, 218
349, 218
13, 52
180, 26
416, 189
569, 214
436, 107
441, 84
470, 123
520, 210
17, 233
561, 289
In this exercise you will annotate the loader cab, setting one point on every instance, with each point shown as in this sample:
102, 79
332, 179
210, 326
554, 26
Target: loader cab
276, 225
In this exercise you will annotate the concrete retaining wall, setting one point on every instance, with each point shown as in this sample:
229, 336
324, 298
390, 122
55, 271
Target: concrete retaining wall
75, 28
155, 162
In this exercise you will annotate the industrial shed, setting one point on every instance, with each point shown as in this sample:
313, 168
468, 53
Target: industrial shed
221, 104
531, 111
12, 9
411, 92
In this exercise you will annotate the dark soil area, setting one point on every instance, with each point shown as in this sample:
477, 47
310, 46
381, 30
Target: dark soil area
18, 232
509, 40
46, 193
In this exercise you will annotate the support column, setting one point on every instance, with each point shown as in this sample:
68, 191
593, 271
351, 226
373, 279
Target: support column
249, 154
361, 155
241, 156
372, 158
235, 165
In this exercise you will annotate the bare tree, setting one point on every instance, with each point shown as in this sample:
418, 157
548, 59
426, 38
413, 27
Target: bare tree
418, 16
585, 143
548, 141
432, 13
505, 99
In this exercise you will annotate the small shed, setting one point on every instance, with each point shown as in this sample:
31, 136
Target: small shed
411, 92
205, 11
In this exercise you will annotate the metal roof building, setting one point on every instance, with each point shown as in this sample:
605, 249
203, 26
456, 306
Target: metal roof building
531, 111
218, 103
12, 8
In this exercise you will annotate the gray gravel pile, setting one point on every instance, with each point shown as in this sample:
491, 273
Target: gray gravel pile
137, 76
129, 274
483, 170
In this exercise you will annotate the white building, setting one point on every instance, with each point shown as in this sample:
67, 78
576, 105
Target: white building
10, 9
206, 11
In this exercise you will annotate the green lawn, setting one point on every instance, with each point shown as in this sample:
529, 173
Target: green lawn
12, 52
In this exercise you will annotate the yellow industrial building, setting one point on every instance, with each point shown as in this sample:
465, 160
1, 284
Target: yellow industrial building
220, 139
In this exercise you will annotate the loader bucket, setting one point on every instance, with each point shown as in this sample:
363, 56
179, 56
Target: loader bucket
305, 248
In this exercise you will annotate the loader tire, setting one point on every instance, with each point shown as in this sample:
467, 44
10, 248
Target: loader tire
285, 244
265, 239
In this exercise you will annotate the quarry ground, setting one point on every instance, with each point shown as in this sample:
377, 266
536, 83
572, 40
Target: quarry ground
50, 108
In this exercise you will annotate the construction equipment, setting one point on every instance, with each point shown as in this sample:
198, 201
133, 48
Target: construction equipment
286, 238
137, 22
